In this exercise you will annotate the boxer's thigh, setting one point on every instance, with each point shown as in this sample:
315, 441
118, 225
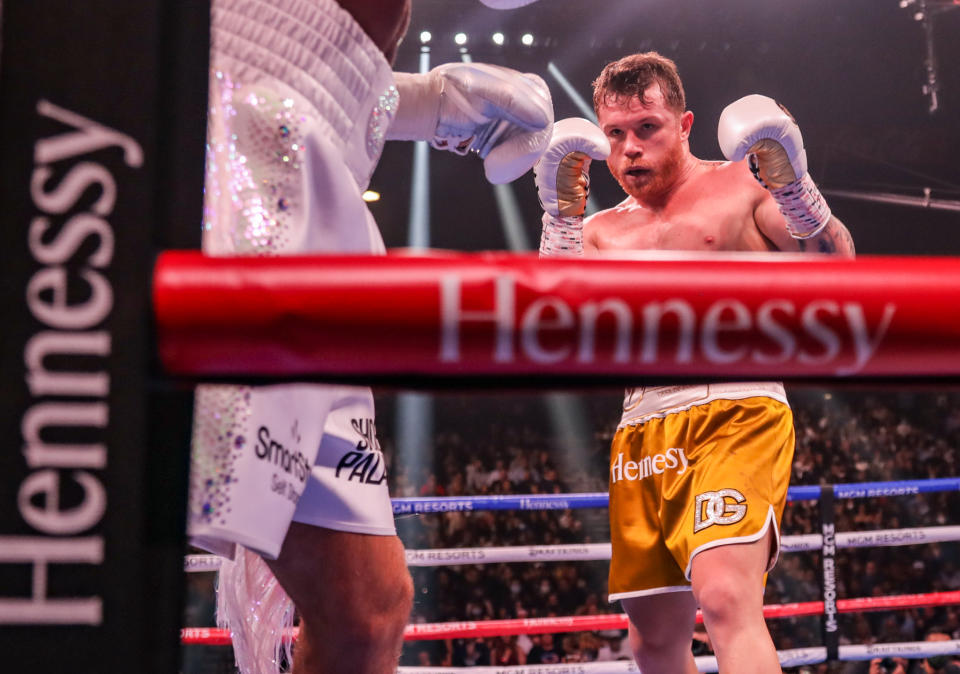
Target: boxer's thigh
342, 557
735, 489
335, 576
641, 564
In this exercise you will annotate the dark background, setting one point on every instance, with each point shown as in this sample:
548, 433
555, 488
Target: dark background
850, 71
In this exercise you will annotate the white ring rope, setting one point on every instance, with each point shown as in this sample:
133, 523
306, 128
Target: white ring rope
793, 657
601, 551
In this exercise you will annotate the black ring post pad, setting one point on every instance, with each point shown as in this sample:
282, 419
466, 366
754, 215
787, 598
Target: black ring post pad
828, 576
89, 126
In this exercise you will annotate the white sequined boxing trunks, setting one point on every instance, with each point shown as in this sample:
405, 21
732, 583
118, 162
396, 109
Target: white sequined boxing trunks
300, 100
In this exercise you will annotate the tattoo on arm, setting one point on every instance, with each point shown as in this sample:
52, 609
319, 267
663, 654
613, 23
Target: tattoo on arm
833, 239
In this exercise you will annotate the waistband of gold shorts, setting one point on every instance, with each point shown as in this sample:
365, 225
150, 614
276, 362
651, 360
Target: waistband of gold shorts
648, 402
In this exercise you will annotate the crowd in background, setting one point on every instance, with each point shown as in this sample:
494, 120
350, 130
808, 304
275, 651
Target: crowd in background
485, 444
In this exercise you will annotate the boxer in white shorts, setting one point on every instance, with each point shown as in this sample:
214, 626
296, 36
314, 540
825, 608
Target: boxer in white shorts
302, 98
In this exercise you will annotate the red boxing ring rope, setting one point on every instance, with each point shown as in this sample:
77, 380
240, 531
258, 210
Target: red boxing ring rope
499, 315
494, 628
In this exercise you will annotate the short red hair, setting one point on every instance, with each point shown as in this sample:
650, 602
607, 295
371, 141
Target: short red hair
632, 75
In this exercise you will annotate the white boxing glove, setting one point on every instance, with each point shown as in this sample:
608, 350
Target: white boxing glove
758, 124
504, 116
562, 173
759, 127
563, 183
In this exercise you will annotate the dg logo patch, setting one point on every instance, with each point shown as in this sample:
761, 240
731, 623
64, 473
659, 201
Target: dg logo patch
718, 507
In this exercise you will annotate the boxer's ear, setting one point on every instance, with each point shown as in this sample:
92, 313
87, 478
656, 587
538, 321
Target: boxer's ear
686, 123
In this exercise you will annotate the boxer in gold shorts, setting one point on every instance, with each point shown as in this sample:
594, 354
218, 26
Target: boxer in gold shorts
698, 474
724, 449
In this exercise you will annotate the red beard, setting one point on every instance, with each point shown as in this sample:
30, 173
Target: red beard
660, 179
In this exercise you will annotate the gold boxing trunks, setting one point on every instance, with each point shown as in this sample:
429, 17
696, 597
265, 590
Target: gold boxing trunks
693, 468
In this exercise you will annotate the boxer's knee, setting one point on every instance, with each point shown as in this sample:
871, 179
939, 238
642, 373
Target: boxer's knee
728, 582
720, 603
368, 628
359, 589
651, 637
377, 611
729, 596
660, 628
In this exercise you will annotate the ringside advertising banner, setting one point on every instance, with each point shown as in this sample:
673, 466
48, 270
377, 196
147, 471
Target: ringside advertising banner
82, 96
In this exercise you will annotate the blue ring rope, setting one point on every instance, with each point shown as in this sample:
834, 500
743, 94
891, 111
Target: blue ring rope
437, 504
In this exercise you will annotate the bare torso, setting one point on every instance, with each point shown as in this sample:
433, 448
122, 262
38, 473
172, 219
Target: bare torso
712, 209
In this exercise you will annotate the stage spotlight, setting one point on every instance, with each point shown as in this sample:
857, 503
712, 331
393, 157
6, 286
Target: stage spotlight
371, 195
566, 411
586, 109
460, 38
527, 39
498, 38
425, 36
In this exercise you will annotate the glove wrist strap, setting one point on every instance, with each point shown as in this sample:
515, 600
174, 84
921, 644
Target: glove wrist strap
561, 237
419, 107
801, 204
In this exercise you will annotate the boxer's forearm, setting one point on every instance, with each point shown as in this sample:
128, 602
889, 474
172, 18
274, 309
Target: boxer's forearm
833, 239
561, 236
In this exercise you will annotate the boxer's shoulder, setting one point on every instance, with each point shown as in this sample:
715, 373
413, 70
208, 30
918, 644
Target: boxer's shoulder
734, 196
728, 172
616, 228
612, 217
728, 180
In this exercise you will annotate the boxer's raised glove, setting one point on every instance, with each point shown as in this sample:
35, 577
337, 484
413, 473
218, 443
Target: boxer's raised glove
503, 115
759, 128
563, 183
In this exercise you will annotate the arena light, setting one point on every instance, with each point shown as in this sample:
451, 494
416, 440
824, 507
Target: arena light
460, 38
585, 108
568, 420
498, 38
418, 223
371, 195
511, 219
413, 430
413, 425
527, 39
425, 36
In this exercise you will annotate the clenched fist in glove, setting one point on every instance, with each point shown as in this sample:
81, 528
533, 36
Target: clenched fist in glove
505, 116
563, 183
758, 126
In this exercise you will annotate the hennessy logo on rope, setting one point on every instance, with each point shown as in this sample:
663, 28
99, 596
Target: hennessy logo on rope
555, 328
